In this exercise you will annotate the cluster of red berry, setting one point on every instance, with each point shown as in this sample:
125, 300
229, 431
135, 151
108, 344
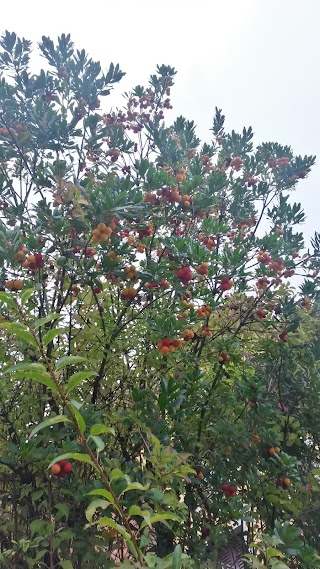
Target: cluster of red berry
185, 275
226, 284
61, 468
228, 490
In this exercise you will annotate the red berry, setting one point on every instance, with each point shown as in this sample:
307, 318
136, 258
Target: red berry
225, 486
166, 342
67, 468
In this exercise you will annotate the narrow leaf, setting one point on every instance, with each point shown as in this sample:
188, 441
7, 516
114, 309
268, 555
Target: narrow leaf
109, 522
177, 557
51, 334
48, 423
45, 320
25, 295
102, 492
91, 509
73, 455
77, 378
80, 420
69, 360
100, 429
99, 443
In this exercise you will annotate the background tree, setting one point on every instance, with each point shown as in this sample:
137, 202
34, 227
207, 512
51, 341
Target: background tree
158, 366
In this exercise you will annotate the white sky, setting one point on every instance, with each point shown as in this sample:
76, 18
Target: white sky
256, 59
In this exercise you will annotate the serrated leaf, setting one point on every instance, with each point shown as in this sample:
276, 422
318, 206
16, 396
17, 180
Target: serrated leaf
145, 514
161, 518
51, 334
91, 509
20, 331
177, 557
25, 295
100, 429
80, 420
7, 299
80, 457
26, 366
45, 320
98, 442
69, 360
135, 486
116, 474
66, 564
62, 511
109, 522
43, 378
48, 423
77, 378
102, 492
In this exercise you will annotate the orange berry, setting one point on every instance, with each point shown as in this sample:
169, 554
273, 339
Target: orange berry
272, 451
165, 350
171, 348
9, 285
19, 256
96, 233
277, 450
287, 481
102, 227
160, 345
180, 177
17, 284
255, 439
55, 469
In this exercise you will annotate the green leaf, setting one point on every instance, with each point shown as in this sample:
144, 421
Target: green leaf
116, 474
51, 334
177, 557
102, 492
20, 331
162, 517
278, 565
48, 423
69, 360
45, 320
135, 486
66, 564
7, 299
100, 429
62, 511
25, 295
145, 514
77, 378
80, 420
26, 366
109, 522
98, 442
75, 456
43, 378
91, 509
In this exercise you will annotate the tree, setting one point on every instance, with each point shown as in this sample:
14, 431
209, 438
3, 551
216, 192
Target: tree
158, 365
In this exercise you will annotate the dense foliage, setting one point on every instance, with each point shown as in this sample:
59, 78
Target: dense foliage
159, 370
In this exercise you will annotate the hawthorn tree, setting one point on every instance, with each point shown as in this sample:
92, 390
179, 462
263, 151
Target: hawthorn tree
159, 364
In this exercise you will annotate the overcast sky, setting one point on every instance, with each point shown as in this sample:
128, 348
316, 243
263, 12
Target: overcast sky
256, 59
